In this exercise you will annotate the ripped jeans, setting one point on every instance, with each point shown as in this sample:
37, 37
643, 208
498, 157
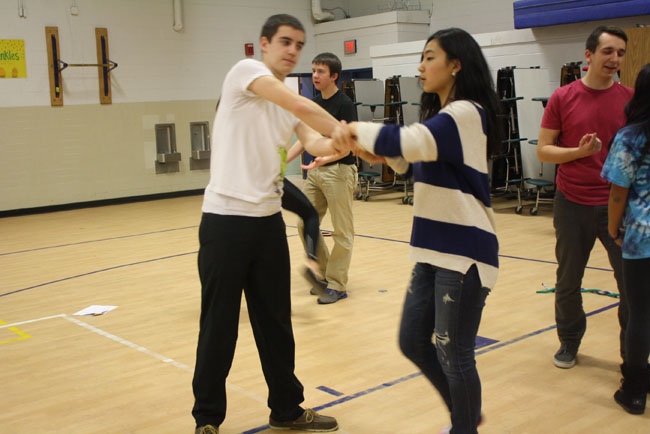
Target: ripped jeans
440, 321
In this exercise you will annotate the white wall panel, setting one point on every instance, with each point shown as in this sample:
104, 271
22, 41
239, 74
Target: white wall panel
84, 151
155, 62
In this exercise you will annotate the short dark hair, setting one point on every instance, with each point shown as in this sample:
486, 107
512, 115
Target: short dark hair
273, 23
593, 39
332, 62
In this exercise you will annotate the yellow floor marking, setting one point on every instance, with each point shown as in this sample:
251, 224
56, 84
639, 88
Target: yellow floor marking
21, 334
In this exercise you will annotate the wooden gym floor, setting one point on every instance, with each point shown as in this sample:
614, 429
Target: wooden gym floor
130, 370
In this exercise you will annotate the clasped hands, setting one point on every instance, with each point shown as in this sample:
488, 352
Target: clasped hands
344, 140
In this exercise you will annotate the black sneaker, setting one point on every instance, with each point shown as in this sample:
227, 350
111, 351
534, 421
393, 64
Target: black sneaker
632, 393
632, 403
565, 358
206, 429
308, 421
319, 287
332, 296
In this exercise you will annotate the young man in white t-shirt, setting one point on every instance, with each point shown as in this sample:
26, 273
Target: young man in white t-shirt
242, 235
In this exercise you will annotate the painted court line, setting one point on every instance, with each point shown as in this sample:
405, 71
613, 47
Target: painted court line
263, 401
97, 271
128, 344
96, 241
417, 374
136, 347
501, 256
31, 321
330, 391
195, 252
189, 253
21, 334
288, 236
155, 355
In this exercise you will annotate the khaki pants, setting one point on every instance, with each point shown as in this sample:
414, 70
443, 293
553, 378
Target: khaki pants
333, 187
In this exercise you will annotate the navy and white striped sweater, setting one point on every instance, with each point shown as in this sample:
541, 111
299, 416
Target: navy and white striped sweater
453, 222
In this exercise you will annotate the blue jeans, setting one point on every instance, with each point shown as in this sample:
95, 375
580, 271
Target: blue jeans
446, 305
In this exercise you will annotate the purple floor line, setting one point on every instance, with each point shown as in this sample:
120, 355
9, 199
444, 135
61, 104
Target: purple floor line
408, 377
95, 272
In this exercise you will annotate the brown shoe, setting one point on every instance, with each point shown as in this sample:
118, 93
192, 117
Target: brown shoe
308, 421
206, 429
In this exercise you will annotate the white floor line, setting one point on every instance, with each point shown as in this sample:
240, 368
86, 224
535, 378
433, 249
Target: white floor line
135, 347
129, 344
31, 321
157, 356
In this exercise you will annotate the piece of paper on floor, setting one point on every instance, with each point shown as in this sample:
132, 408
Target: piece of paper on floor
95, 309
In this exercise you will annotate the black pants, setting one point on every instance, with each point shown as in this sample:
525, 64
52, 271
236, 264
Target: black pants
295, 201
637, 336
576, 229
249, 253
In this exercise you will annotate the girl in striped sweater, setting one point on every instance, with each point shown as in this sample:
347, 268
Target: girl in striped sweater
453, 240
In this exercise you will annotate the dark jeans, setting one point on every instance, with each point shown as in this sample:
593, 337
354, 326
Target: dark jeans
576, 229
447, 306
637, 337
249, 253
295, 201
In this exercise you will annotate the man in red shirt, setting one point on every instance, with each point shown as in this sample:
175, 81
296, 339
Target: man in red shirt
579, 119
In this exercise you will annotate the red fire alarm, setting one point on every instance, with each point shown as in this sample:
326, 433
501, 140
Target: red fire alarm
350, 47
248, 49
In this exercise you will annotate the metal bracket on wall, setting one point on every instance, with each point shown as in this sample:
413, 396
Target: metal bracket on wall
56, 85
56, 65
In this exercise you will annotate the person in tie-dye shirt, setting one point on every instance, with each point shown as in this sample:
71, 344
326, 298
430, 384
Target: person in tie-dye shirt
628, 169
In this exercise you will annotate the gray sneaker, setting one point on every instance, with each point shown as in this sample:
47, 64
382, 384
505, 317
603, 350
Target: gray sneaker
332, 296
206, 429
308, 421
565, 357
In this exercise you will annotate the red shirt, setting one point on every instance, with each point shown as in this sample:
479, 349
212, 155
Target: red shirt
576, 110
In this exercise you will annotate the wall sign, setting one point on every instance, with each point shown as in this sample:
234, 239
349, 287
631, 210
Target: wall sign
350, 47
12, 58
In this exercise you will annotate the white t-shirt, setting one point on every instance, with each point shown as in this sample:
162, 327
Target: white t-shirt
247, 137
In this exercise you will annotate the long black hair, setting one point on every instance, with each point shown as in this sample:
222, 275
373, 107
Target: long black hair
637, 109
473, 82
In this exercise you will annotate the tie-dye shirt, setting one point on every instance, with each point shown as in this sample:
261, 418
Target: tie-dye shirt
625, 168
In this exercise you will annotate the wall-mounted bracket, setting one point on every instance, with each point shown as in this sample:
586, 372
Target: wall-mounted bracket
56, 65
110, 65
101, 37
56, 85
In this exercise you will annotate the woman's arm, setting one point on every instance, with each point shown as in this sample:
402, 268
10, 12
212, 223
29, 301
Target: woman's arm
616, 208
454, 135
